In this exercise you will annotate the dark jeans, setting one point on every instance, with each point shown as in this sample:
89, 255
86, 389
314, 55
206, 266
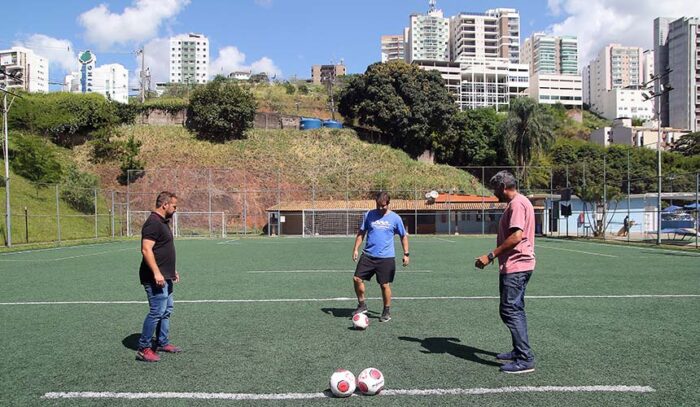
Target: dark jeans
160, 304
512, 311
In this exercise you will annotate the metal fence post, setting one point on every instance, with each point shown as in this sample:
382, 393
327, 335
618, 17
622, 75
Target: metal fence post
26, 225
94, 190
697, 208
128, 199
58, 218
483, 202
209, 195
605, 196
111, 212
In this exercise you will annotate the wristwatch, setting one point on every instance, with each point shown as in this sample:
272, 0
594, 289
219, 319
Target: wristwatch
490, 256
406, 254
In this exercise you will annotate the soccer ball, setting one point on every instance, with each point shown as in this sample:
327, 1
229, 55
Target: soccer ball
360, 321
342, 383
370, 381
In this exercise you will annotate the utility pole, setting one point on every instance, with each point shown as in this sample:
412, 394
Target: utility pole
142, 74
6, 156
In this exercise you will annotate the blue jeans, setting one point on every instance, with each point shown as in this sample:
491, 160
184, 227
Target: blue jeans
160, 303
512, 311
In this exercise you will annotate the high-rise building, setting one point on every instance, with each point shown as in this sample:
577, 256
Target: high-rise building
477, 54
614, 69
25, 70
428, 36
553, 63
549, 54
677, 58
111, 80
189, 59
493, 34
393, 47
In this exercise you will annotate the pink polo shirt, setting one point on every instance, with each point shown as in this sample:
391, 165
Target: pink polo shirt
518, 214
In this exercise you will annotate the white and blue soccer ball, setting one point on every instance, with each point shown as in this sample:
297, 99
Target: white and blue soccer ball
342, 383
360, 321
370, 381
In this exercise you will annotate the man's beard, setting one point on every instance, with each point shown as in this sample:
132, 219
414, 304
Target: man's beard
169, 215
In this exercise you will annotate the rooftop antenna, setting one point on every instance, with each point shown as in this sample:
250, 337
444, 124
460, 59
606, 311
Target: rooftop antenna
432, 4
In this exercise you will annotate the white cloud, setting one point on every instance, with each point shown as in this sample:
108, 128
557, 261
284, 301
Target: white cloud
232, 59
597, 23
264, 3
139, 22
59, 52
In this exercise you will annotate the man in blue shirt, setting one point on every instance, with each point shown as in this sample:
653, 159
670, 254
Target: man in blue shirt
380, 225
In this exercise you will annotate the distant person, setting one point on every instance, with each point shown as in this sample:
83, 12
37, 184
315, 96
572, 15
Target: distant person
158, 274
516, 258
626, 226
378, 257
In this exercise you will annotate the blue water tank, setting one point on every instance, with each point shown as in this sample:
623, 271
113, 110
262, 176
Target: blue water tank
307, 123
332, 124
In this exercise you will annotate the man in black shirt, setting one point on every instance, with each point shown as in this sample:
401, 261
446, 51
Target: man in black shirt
158, 274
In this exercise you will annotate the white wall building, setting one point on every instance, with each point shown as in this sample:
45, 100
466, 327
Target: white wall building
493, 34
31, 69
628, 103
189, 59
491, 82
111, 80
676, 48
622, 132
393, 47
556, 88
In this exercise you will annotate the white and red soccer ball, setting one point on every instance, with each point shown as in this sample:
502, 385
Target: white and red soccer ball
370, 381
342, 383
360, 321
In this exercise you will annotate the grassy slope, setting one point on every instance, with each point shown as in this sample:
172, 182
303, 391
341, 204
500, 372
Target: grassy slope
331, 159
41, 209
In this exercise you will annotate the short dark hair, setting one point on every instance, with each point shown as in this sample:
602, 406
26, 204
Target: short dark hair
383, 198
505, 179
164, 197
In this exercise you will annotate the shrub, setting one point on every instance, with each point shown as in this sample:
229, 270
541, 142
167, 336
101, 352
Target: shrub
34, 159
130, 161
78, 190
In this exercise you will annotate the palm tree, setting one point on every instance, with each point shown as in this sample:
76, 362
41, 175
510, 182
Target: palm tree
528, 129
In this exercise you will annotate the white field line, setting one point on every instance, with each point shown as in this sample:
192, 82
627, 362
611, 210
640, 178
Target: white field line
445, 240
234, 241
329, 271
69, 257
575, 251
58, 248
385, 393
625, 246
332, 299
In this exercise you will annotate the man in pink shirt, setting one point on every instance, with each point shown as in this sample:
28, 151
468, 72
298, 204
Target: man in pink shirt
516, 259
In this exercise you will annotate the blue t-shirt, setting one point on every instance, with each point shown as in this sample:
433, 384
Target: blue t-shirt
380, 230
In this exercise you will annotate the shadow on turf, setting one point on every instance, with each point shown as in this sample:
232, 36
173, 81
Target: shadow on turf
450, 346
345, 312
132, 341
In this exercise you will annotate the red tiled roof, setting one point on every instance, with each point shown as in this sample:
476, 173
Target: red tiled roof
464, 198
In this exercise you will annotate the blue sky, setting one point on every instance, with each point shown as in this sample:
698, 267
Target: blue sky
288, 36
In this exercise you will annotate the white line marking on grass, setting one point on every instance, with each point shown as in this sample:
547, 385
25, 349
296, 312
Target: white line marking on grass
445, 240
576, 251
234, 241
626, 246
331, 299
329, 271
69, 257
385, 393
58, 248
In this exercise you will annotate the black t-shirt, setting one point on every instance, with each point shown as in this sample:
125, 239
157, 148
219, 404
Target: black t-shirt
156, 228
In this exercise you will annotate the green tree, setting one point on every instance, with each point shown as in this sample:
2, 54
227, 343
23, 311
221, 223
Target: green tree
474, 139
35, 159
410, 107
688, 144
78, 190
527, 130
221, 110
131, 167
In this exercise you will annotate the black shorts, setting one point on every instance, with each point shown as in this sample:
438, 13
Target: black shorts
384, 268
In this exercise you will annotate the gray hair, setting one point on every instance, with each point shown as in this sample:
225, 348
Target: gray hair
164, 197
504, 178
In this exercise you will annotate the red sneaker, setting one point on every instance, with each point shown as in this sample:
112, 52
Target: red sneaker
169, 348
147, 355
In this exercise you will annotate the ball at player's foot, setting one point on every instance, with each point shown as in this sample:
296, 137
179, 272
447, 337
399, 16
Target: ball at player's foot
370, 381
360, 321
342, 383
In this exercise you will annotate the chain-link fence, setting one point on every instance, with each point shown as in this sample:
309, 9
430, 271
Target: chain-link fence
608, 201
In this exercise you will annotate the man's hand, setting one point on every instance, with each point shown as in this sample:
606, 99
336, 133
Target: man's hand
160, 280
406, 260
355, 255
482, 261
177, 277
